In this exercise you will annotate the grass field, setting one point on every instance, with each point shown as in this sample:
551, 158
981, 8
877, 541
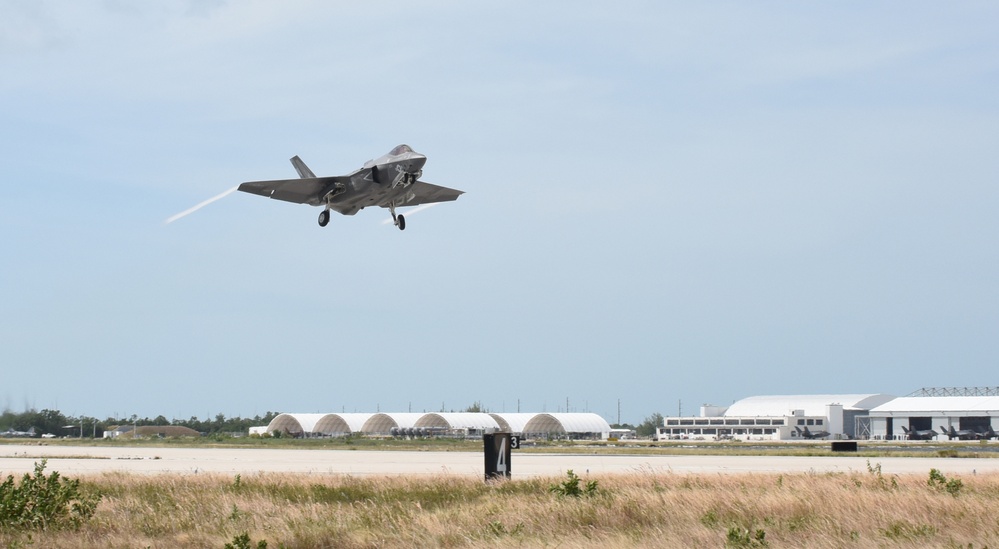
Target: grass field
638, 510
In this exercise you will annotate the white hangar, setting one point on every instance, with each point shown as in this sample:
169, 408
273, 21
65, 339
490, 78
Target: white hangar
939, 413
569, 425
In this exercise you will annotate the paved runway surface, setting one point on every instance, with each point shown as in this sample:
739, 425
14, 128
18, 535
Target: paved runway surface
89, 460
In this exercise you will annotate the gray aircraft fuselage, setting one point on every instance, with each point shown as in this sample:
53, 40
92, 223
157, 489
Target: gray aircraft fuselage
383, 180
389, 181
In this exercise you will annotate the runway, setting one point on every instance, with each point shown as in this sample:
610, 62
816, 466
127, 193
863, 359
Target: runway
79, 461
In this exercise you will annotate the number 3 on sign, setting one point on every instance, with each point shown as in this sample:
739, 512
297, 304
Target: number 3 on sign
514, 443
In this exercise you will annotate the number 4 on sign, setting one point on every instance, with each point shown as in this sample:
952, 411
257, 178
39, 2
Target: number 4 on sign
501, 457
497, 455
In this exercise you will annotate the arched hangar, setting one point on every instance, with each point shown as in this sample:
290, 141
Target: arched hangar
296, 425
462, 423
341, 424
318, 424
391, 423
569, 425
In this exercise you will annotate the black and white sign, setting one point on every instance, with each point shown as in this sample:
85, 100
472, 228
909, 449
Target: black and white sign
497, 454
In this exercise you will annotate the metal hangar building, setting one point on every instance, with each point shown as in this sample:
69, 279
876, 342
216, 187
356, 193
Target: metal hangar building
465, 424
935, 413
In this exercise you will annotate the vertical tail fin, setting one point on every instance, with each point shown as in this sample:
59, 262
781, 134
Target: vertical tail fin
303, 171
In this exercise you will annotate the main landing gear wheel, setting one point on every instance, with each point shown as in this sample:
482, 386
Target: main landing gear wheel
401, 222
324, 218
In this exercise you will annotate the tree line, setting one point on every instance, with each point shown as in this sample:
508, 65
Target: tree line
56, 423
646, 428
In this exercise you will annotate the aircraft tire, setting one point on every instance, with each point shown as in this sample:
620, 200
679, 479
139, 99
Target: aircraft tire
402, 223
324, 218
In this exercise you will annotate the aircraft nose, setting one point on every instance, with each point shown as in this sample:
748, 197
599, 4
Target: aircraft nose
417, 160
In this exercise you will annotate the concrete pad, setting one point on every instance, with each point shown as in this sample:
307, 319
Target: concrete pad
76, 461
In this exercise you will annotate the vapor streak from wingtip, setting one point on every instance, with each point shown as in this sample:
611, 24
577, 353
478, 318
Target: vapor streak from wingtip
191, 210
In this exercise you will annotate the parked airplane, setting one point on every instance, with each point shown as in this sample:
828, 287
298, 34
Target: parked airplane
390, 181
19, 434
987, 434
920, 434
809, 434
962, 434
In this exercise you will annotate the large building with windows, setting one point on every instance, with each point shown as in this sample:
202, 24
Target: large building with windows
775, 417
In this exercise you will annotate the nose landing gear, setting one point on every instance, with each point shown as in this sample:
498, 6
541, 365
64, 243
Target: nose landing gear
399, 220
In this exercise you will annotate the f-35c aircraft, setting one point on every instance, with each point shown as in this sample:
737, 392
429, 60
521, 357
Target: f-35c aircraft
960, 434
968, 434
811, 434
390, 181
919, 434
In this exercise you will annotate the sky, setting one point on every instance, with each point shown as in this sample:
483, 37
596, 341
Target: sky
667, 204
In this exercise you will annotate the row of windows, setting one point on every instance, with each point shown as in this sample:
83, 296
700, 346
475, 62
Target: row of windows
721, 421
712, 431
739, 421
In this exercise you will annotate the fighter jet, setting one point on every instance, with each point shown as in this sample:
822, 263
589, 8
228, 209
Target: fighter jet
390, 181
19, 434
962, 434
987, 434
810, 435
919, 434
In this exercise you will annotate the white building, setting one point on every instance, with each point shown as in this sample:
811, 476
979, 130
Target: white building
935, 414
467, 424
775, 417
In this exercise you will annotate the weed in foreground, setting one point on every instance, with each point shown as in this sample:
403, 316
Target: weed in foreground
242, 541
882, 483
497, 528
710, 518
40, 502
743, 537
204, 511
570, 487
940, 482
901, 530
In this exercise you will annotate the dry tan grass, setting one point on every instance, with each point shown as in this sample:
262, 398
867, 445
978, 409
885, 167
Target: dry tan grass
639, 510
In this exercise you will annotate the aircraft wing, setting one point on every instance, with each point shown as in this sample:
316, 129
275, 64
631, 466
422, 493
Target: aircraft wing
427, 193
308, 190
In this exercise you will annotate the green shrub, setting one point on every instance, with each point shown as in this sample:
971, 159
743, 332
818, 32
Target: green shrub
40, 502
242, 541
743, 537
940, 482
882, 483
570, 487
